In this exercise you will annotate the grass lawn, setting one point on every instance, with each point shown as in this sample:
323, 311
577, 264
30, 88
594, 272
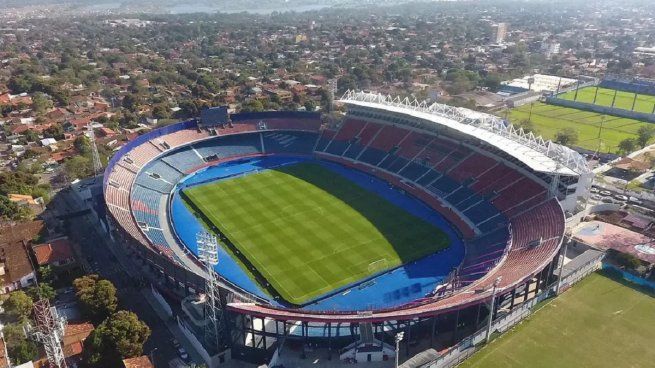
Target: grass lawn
598, 323
550, 119
644, 103
308, 230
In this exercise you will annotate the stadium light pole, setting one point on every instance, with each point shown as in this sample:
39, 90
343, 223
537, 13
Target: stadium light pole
561, 267
491, 309
399, 338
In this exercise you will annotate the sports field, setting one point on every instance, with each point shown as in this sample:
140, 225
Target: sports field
644, 103
550, 119
308, 230
598, 323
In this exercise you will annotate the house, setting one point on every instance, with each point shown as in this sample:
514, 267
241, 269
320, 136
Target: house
16, 269
58, 252
138, 362
74, 335
35, 204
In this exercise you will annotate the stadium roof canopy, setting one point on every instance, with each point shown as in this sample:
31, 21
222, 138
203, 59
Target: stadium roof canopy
538, 154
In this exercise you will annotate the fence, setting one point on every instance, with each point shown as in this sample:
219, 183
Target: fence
467, 347
606, 110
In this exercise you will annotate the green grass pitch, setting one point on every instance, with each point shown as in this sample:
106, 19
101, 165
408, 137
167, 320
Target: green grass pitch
644, 103
598, 323
309, 230
550, 119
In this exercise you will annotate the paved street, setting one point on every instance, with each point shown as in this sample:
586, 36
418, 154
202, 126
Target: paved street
97, 258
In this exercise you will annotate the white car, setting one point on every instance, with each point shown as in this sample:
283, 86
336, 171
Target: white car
605, 193
621, 197
594, 190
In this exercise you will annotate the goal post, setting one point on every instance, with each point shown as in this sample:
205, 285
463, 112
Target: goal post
378, 265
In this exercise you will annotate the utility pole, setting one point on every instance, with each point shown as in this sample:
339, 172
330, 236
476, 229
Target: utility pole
399, 338
491, 308
561, 268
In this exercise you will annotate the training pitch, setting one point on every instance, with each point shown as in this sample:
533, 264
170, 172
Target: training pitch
596, 132
605, 96
309, 231
598, 323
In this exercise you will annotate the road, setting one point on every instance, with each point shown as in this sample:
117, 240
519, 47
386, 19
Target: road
97, 258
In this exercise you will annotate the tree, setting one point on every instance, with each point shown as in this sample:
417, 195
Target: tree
252, 106
120, 336
82, 144
20, 349
13, 211
566, 136
644, 135
78, 167
627, 145
527, 126
131, 102
41, 291
98, 297
19, 304
310, 105
161, 112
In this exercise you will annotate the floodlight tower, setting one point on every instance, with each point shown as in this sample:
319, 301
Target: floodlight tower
332, 91
97, 165
208, 255
49, 331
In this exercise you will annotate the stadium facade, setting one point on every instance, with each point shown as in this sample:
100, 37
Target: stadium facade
504, 191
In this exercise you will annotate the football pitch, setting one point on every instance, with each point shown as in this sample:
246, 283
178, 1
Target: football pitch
600, 322
309, 231
595, 131
624, 100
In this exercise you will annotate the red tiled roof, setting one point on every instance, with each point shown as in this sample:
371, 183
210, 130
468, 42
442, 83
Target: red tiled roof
138, 362
55, 251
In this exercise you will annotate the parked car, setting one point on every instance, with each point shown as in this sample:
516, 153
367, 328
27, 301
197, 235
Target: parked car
634, 200
594, 190
621, 197
605, 193
182, 354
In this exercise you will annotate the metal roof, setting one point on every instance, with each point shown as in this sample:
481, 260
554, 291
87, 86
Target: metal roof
538, 154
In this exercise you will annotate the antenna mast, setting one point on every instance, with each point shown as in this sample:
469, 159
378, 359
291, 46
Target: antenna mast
49, 331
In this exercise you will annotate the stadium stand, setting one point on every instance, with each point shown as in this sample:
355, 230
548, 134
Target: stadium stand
484, 197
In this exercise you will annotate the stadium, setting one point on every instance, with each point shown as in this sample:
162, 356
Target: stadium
342, 232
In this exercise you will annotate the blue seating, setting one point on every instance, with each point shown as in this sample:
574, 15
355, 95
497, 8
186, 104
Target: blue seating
336, 147
353, 150
165, 171
413, 171
428, 178
445, 185
481, 212
289, 142
157, 237
230, 146
460, 195
397, 164
183, 160
372, 156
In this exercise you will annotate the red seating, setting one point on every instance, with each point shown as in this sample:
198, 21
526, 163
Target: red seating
413, 144
368, 133
518, 192
350, 129
389, 137
472, 167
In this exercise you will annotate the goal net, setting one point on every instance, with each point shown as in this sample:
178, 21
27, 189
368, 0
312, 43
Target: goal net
377, 266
